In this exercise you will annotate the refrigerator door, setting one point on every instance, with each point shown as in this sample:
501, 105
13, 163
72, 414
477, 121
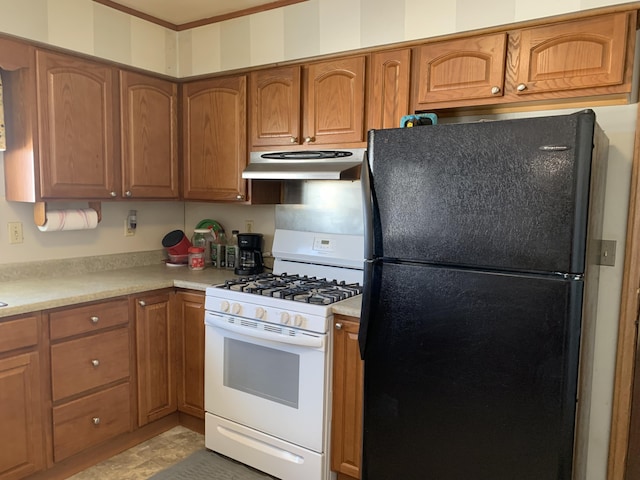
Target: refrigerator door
509, 194
470, 375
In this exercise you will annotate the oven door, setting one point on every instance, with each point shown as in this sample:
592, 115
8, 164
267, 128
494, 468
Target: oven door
267, 377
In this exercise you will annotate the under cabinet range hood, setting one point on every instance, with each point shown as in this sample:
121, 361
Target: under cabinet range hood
343, 164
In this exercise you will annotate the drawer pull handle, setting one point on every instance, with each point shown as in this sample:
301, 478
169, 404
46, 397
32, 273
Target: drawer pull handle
95, 362
142, 303
94, 320
96, 420
338, 326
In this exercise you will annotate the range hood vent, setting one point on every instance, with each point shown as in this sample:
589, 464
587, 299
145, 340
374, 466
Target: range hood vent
305, 165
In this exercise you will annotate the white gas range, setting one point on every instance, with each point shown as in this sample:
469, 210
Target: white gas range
268, 355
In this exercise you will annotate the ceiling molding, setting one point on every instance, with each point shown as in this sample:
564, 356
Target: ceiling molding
197, 23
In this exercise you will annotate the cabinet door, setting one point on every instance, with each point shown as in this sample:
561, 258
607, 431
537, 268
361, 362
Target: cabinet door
190, 323
463, 69
155, 357
215, 139
389, 91
334, 102
274, 99
21, 435
569, 56
78, 158
149, 117
348, 378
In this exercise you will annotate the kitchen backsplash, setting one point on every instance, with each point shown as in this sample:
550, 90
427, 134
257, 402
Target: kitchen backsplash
321, 206
76, 266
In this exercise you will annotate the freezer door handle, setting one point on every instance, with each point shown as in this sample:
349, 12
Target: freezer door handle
367, 207
365, 311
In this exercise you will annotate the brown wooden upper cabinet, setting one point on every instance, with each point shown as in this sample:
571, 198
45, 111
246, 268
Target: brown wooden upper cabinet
89, 131
274, 99
316, 104
215, 139
149, 147
460, 70
389, 88
579, 58
77, 127
583, 54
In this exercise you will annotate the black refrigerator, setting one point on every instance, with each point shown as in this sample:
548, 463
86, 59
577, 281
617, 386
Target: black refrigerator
481, 272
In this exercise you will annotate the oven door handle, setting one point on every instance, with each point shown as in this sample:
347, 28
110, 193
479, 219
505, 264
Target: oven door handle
302, 340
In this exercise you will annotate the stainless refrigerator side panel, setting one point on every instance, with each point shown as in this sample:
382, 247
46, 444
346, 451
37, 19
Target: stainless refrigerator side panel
504, 195
470, 375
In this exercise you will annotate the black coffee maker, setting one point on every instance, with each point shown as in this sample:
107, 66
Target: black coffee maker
249, 254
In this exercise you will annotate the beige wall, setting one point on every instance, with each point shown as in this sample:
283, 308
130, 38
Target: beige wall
302, 30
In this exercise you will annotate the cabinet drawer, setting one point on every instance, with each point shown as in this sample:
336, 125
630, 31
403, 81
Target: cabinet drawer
90, 420
88, 318
84, 363
19, 333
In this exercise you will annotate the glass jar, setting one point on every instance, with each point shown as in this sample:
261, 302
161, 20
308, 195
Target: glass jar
196, 258
202, 238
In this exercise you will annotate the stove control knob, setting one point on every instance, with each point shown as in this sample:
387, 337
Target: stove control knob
235, 308
298, 320
261, 313
224, 306
285, 318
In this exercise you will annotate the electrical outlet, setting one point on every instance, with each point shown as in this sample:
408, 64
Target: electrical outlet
128, 231
248, 226
15, 232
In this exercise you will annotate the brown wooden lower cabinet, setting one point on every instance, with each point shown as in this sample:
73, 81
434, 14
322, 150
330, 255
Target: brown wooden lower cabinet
90, 420
21, 421
346, 419
155, 356
189, 314
90, 351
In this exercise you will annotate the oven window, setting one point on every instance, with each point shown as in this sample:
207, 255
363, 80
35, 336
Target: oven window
262, 371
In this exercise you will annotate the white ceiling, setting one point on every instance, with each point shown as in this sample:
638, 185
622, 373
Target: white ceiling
186, 11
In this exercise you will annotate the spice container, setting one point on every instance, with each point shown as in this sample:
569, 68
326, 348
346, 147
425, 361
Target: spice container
196, 258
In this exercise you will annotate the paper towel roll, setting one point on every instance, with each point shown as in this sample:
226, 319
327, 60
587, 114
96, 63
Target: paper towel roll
71, 219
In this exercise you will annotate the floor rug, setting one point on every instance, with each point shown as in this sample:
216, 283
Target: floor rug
208, 465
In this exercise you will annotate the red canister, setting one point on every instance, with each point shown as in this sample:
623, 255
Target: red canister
176, 243
196, 258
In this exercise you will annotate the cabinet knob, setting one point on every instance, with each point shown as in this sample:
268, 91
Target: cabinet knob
95, 420
95, 362
142, 303
309, 139
239, 197
113, 194
94, 319
127, 193
522, 87
338, 326
495, 90
294, 140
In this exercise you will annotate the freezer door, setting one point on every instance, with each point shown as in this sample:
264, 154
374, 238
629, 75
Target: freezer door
470, 375
509, 194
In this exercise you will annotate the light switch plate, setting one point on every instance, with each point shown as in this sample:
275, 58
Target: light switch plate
608, 253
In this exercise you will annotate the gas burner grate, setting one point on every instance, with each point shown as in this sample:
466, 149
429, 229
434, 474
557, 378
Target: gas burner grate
299, 288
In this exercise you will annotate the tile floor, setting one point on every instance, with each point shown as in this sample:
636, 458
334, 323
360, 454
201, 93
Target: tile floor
147, 458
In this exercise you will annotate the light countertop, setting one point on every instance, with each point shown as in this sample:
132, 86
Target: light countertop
35, 294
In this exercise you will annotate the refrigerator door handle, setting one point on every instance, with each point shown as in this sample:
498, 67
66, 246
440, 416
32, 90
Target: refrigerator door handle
365, 310
367, 207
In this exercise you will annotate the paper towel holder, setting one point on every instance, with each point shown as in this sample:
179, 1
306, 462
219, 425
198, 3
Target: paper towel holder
40, 212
